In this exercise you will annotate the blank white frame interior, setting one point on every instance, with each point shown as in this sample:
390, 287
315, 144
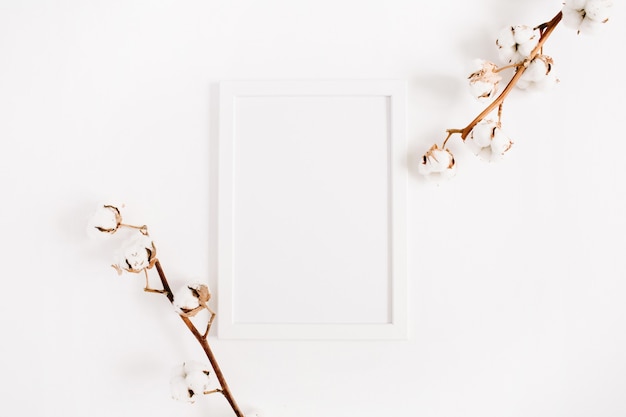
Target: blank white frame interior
312, 210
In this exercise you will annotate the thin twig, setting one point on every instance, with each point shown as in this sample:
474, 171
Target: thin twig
450, 133
213, 391
210, 322
143, 229
507, 67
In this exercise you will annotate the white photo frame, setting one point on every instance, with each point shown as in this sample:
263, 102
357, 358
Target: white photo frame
312, 210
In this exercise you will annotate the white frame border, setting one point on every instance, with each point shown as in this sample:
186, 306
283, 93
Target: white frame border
395, 90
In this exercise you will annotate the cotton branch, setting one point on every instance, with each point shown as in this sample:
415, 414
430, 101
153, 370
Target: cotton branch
202, 340
138, 255
546, 30
520, 48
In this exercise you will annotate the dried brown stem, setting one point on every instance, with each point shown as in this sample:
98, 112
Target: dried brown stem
450, 133
152, 290
507, 67
225, 390
210, 322
143, 229
147, 288
213, 391
545, 30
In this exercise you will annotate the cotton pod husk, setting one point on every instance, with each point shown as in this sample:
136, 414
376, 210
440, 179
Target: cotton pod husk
191, 296
483, 79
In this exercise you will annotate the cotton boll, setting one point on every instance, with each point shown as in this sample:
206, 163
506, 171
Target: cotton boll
441, 160
586, 16
536, 70
137, 253
437, 161
482, 89
482, 133
487, 141
483, 79
437, 165
198, 382
538, 76
598, 10
523, 34
515, 43
189, 297
526, 38
196, 376
572, 18
500, 144
189, 380
185, 300
525, 49
180, 391
104, 221
137, 257
506, 45
479, 139
508, 54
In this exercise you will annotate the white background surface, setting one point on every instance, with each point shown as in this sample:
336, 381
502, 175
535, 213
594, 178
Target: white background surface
515, 270
313, 227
